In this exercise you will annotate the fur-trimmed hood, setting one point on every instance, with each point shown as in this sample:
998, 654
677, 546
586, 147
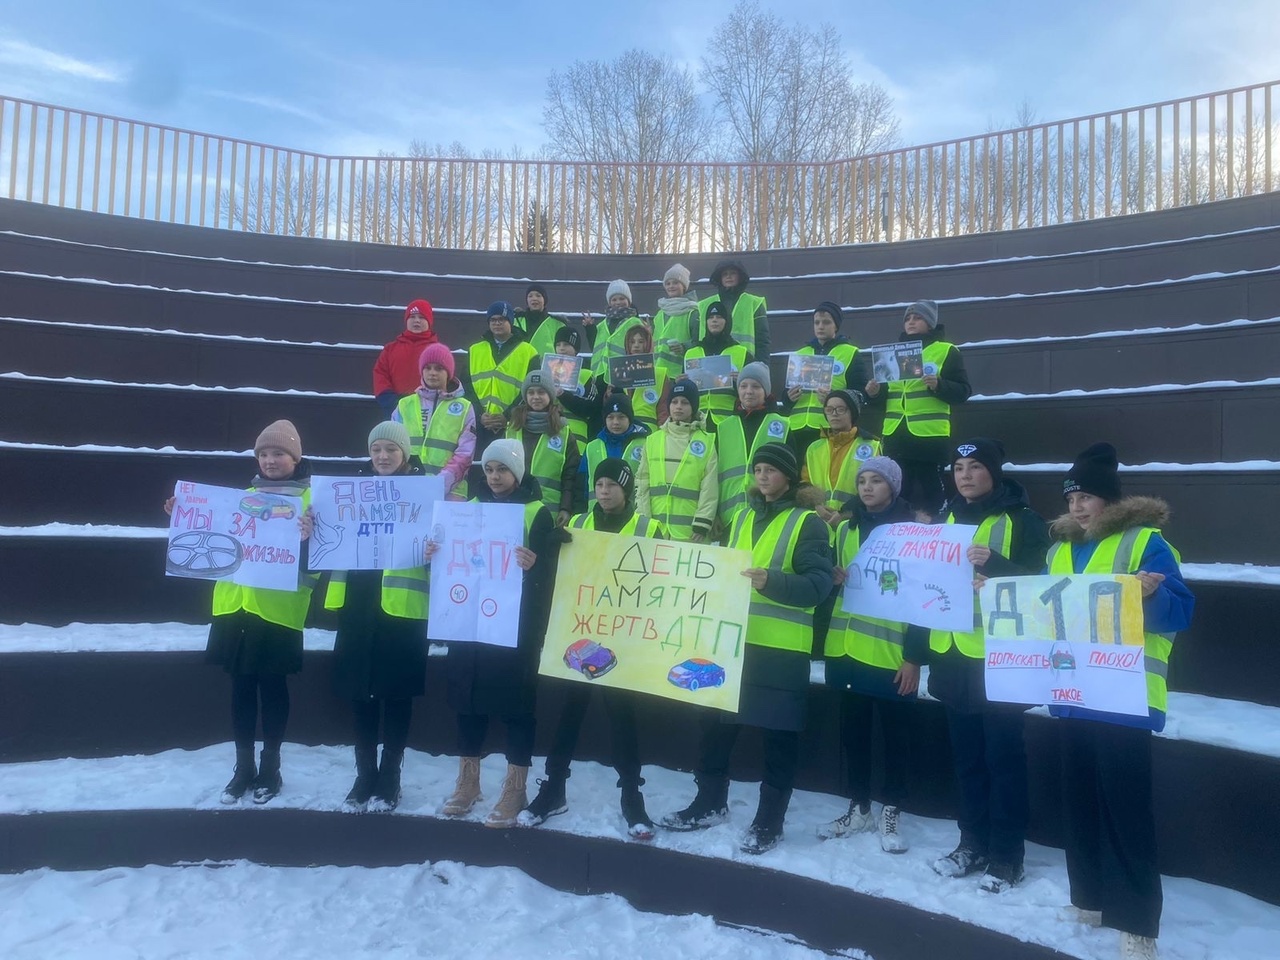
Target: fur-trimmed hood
1116, 518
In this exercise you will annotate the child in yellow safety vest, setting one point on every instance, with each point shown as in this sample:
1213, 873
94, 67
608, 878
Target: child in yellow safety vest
678, 482
675, 325
1106, 757
805, 406
718, 399
757, 419
875, 666
832, 461
644, 400
496, 366
550, 448
607, 334
380, 654
440, 421
256, 633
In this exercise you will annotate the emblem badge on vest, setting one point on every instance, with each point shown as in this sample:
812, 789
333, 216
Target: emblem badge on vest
863, 452
776, 428
555, 443
930, 369
697, 448
837, 368
651, 396
636, 453
455, 408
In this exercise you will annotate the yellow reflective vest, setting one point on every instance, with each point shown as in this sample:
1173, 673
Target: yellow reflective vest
547, 464
807, 412
735, 458
769, 623
817, 460
498, 385
717, 402
405, 593
637, 526
682, 328
742, 326
437, 445
996, 533
912, 403
868, 640
674, 499
544, 338
633, 453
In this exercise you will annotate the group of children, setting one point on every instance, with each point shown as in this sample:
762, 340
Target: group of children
755, 474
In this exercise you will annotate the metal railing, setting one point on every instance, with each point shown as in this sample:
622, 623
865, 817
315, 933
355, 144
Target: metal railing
1153, 157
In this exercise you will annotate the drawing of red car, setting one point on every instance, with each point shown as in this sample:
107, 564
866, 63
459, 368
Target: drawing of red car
589, 658
266, 507
695, 673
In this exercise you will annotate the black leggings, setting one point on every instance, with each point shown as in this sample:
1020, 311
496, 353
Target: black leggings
245, 690
394, 713
620, 707
472, 728
781, 751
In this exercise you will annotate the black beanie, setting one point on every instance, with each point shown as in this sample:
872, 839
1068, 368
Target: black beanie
687, 389
716, 308
989, 453
851, 400
546, 301
782, 457
619, 471
826, 306
619, 403
570, 336
1095, 471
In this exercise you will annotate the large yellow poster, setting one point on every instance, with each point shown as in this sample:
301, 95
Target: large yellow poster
656, 616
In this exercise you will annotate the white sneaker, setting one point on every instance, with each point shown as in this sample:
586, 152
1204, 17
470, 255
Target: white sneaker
855, 821
891, 841
1134, 947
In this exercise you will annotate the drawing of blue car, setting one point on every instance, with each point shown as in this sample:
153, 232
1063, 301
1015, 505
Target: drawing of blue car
695, 673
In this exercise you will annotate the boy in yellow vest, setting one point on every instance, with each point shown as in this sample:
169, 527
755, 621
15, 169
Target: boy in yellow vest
1106, 758
805, 407
496, 367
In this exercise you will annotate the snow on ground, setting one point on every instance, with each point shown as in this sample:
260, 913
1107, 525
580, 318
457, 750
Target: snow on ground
439, 910
1202, 922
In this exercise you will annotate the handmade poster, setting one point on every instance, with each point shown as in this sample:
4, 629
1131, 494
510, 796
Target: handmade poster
563, 371
656, 616
371, 523
916, 573
899, 361
1069, 640
476, 583
632, 370
711, 372
220, 533
810, 372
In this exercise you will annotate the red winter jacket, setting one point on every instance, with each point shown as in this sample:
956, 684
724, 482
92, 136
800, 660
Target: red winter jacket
396, 370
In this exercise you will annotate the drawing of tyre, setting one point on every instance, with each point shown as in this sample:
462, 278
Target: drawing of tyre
203, 555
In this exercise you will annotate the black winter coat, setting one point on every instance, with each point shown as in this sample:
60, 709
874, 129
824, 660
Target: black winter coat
960, 681
953, 387
486, 679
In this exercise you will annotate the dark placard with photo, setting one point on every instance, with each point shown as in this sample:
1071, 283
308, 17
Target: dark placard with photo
632, 370
563, 371
710, 373
810, 372
898, 361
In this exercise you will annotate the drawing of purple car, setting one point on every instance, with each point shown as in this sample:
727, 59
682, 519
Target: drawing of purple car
696, 672
589, 658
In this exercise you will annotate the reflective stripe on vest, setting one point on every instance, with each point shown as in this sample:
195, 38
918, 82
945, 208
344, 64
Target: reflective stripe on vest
718, 401
807, 412
731, 448
742, 326
769, 623
996, 533
497, 386
612, 344
866, 639
637, 526
544, 340
437, 446
911, 401
547, 464
633, 453
288, 608
665, 329
818, 461
1122, 553
675, 502
405, 593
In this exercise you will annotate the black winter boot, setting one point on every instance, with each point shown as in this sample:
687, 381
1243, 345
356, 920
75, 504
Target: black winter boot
709, 807
366, 778
242, 777
550, 802
386, 793
267, 784
766, 829
639, 826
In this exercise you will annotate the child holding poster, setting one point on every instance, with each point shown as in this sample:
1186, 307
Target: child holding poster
256, 634
484, 680
380, 654
678, 480
806, 407
875, 664
638, 342
550, 448
986, 737
790, 575
1106, 757
440, 420
613, 511
718, 341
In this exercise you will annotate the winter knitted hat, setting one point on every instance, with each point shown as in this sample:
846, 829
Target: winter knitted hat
500, 308
539, 379
687, 389
678, 272
782, 457
618, 286
537, 288
886, 468
716, 309
926, 310
619, 471
759, 372
989, 453
620, 403
570, 336
826, 306
1095, 471
509, 453
281, 434
437, 353
395, 432
851, 401
423, 309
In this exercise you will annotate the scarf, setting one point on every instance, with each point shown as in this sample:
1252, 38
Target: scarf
675, 306
537, 421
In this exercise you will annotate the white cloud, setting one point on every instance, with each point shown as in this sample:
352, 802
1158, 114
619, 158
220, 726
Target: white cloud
274, 104
16, 53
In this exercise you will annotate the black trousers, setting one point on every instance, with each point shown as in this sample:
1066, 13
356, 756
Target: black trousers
620, 707
856, 716
781, 752
1110, 824
922, 484
393, 714
473, 727
246, 688
991, 768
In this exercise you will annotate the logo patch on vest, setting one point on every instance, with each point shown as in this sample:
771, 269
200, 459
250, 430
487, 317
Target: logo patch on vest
697, 448
636, 453
838, 368
455, 408
776, 428
930, 369
966, 449
555, 443
863, 452
651, 396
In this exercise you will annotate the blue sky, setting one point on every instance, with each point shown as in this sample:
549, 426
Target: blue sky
347, 78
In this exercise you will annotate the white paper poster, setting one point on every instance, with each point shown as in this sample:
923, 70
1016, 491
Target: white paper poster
476, 583
220, 533
914, 573
1066, 640
371, 523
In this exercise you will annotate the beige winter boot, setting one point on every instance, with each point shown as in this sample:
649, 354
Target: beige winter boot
466, 791
514, 798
